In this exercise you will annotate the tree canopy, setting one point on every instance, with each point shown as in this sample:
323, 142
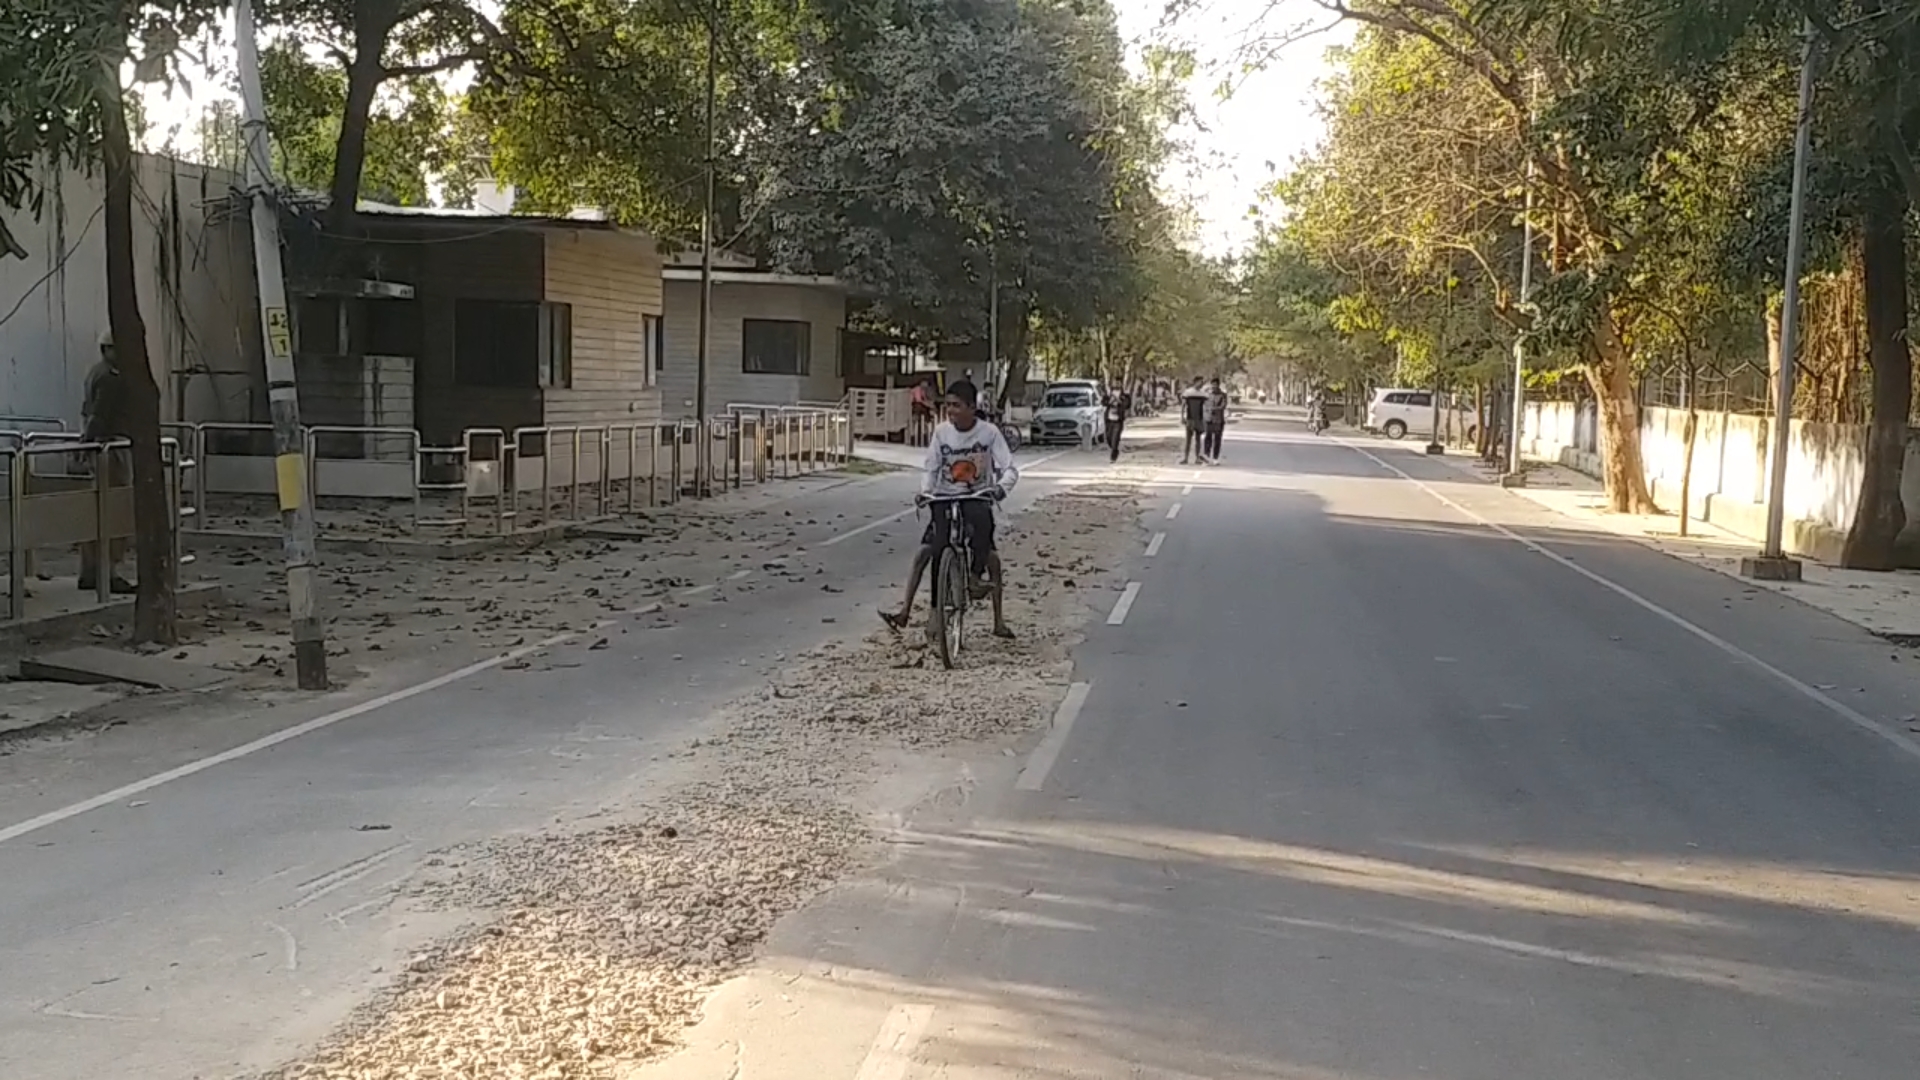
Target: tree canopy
1656, 141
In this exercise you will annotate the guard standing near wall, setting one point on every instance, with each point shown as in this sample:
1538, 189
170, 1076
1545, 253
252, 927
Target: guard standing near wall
105, 411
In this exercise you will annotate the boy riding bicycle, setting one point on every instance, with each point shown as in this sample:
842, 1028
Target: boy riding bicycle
966, 456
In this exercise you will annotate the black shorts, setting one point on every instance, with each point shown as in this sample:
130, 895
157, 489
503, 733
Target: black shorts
977, 513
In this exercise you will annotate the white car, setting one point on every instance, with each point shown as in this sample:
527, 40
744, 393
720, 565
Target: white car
1395, 411
1065, 408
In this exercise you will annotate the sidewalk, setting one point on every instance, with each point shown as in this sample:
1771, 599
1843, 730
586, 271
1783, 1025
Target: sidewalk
1883, 604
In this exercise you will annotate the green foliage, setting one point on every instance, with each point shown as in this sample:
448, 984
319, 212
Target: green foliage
409, 130
954, 146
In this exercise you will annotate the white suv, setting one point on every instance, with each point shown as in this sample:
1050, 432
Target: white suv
1394, 411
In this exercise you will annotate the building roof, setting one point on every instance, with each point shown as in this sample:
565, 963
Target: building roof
760, 277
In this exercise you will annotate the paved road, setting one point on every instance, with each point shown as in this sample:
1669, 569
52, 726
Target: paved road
214, 924
1365, 788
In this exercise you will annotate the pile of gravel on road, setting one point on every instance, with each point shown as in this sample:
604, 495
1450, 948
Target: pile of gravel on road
606, 942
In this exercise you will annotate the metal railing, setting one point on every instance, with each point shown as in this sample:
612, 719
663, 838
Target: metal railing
495, 481
85, 499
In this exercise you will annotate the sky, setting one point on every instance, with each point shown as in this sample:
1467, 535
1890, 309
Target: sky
1244, 141
1237, 144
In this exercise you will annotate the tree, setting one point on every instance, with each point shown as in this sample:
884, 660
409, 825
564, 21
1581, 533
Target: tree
374, 42
69, 107
952, 149
409, 131
1864, 182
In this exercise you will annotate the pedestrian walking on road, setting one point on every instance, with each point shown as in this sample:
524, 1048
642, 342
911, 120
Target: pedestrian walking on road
1119, 407
1193, 406
1214, 414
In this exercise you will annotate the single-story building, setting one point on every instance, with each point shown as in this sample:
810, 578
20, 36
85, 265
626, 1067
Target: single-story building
776, 338
448, 320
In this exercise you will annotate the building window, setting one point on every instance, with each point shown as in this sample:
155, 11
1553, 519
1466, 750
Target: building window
775, 347
512, 344
556, 352
654, 342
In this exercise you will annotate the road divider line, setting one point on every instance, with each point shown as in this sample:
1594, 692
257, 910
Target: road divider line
1807, 690
181, 772
1187, 490
1127, 597
868, 527
1034, 774
892, 1052
1174, 511
1153, 545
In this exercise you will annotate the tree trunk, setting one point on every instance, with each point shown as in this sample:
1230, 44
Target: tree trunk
364, 76
1018, 361
1484, 431
153, 610
1611, 378
1883, 255
1687, 434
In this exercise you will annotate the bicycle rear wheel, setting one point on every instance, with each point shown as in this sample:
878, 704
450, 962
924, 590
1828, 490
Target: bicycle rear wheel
946, 623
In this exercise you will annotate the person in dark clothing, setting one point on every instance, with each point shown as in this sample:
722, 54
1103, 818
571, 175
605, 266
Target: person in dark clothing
105, 412
1194, 412
1214, 416
1119, 407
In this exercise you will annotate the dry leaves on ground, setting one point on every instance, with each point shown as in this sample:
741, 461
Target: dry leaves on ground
605, 943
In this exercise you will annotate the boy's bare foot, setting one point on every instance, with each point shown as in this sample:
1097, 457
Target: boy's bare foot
1003, 632
895, 620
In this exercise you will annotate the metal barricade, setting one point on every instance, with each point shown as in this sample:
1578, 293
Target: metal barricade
491, 459
431, 459
238, 476
70, 508
373, 477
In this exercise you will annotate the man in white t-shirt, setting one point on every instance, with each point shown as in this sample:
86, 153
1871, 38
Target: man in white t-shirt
966, 456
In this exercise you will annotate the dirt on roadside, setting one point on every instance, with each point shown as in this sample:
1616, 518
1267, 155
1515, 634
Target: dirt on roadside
593, 948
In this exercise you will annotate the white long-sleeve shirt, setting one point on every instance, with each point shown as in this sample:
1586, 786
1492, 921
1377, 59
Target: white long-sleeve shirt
959, 462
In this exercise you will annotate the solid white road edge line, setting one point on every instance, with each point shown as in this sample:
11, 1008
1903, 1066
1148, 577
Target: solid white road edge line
54, 817
1119, 613
1034, 774
1174, 511
1153, 545
1840, 709
892, 1052
126, 791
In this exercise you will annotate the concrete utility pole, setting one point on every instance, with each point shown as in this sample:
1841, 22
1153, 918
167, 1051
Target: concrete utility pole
1773, 563
1515, 477
1434, 446
283, 398
703, 451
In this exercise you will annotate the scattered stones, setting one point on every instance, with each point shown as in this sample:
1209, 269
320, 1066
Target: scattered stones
597, 947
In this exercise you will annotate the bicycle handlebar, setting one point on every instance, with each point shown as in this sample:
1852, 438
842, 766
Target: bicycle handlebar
925, 498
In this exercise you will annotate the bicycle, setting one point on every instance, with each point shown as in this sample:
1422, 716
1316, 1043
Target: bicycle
952, 579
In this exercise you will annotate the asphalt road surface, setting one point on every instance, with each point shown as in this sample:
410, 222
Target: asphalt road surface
1377, 775
1381, 776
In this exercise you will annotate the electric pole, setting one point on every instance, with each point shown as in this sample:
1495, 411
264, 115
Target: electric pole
283, 397
1773, 563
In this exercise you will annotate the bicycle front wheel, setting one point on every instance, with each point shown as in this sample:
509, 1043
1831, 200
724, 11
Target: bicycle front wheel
947, 621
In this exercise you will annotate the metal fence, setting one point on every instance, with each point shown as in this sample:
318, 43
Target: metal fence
496, 481
63, 491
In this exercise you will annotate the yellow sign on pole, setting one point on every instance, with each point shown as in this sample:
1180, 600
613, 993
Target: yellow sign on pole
279, 332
